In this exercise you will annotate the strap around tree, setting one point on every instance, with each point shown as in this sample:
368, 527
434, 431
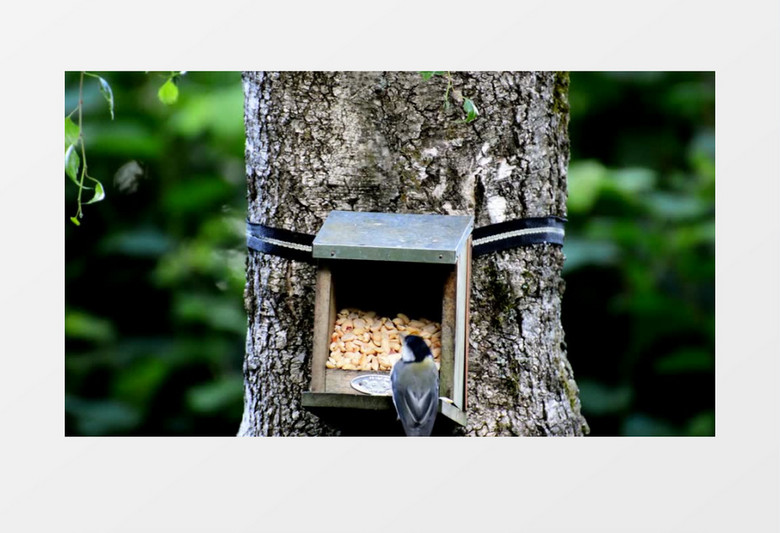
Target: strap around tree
487, 239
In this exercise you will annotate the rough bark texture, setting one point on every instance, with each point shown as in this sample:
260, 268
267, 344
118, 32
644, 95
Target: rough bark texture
384, 142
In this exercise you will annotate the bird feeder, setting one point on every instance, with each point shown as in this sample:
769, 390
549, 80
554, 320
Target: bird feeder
417, 267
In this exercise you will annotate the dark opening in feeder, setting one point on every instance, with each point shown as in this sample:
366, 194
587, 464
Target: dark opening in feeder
411, 269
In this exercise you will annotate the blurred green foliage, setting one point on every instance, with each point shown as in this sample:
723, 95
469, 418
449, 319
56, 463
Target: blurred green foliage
639, 309
154, 319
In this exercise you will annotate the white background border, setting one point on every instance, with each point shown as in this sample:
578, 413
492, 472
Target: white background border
726, 483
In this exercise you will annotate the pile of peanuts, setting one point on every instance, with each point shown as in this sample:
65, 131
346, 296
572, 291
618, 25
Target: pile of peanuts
363, 341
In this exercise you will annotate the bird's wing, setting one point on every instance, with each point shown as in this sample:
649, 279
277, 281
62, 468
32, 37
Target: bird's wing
420, 404
416, 406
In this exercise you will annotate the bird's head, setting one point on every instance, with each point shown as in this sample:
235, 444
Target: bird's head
414, 349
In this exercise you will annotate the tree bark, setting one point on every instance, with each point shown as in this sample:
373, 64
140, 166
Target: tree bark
384, 141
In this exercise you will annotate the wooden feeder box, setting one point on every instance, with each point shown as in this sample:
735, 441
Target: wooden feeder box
418, 265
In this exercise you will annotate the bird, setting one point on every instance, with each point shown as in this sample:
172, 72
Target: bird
415, 387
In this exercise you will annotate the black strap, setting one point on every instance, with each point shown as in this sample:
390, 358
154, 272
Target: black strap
281, 242
484, 240
514, 233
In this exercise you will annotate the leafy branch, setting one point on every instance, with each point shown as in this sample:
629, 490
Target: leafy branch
75, 164
468, 104
74, 142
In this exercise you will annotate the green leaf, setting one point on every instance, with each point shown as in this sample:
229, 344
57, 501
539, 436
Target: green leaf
671, 206
126, 139
71, 132
586, 179
218, 111
631, 181
139, 377
471, 110
75, 221
168, 93
702, 424
99, 192
137, 243
687, 359
72, 163
642, 425
108, 94
428, 74
85, 326
102, 417
580, 252
600, 399
216, 396
213, 312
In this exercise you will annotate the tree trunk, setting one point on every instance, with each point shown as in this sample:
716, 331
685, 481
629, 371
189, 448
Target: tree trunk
384, 141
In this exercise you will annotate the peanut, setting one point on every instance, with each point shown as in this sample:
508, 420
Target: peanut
362, 340
430, 327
